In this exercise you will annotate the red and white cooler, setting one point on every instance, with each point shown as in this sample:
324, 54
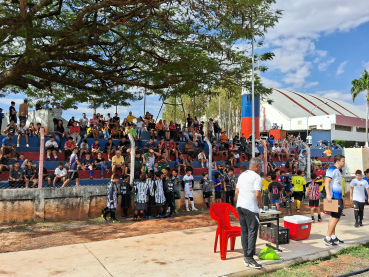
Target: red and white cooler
299, 225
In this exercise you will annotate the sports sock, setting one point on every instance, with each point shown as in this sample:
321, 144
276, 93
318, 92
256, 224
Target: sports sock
328, 238
298, 202
319, 217
48, 157
193, 204
141, 214
361, 215
207, 204
186, 202
333, 237
356, 213
168, 210
312, 218
113, 215
91, 172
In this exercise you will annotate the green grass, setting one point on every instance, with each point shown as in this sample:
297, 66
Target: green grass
301, 270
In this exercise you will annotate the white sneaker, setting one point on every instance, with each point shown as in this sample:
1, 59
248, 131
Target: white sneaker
60, 151
27, 145
194, 209
17, 144
187, 209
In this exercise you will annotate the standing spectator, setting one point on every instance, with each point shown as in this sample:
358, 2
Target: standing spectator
210, 129
75, 132
100, 164
47, 105
166, 130
16, 176
59, 134
195, 123
179, 164
60, 174
51, 147
38, 105
160, 129
302, 160
23, 111
149, 159
230, 185
198, 139
57, 114
217, 131
248, 190
172, 130
68, 147
12, 113
309, 140
189, 120
1, 118
83, 122
130, 117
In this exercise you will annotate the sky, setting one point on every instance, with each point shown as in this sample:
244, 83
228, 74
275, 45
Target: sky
319, 47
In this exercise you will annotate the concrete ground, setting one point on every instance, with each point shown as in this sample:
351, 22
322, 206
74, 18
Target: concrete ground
179, 253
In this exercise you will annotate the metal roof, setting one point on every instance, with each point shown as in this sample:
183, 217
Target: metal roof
295, 104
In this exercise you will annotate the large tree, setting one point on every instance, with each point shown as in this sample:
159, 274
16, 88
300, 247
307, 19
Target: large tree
358, 86
79, 50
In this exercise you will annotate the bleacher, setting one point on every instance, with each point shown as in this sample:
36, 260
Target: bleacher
32, 152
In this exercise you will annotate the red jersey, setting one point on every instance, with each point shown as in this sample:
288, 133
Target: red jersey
161, 145
171, 145
68, 144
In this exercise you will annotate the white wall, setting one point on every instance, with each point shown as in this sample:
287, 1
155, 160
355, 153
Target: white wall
347, 135
272, 116
322, 122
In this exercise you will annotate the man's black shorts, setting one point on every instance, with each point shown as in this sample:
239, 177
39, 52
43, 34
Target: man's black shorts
207, 194
73, 175
359, 205
218, 194
314, 203
340, 209
299, 195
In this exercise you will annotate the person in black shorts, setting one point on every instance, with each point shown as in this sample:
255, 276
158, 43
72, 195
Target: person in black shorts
218, 187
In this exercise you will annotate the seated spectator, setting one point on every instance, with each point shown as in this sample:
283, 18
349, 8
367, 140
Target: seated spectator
70, 122
159, 127
117, 162
88, 164
47, 105
178, 149
149, 159
162, 146
222, 151
215, 148
4, 162
171, 149
150, 145
198, 139
60, 174
236, 159
189, 148
148, 117
29, 174
68, 147
22, 161
132, 131
57, 113
31, 130
16, 176
140, 125
8, 145
95, 147
224, 139
100, 164
38, 105
139, 165
180, 135
202, 158
185, 134
45, 177
38, 130
11, 128
188, 163
2, 116
123, 145
109, 148
162, 164
51, 148
130, 117
105, 131
231, 147
94, 120
75, 132
59, 134
271, 165
191, 132
93, 131
116, 119
179, 164
166, 130
276, 152
83, 148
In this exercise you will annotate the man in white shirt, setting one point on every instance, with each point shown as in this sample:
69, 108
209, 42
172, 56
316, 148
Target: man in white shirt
276, 151
51, 147
248, 190
60, 174
202, 158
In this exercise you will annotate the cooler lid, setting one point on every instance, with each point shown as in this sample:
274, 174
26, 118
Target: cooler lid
298, 219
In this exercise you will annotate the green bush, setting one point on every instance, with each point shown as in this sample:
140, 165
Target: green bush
348, 143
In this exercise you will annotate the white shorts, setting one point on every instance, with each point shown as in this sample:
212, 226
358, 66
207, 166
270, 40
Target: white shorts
188, 192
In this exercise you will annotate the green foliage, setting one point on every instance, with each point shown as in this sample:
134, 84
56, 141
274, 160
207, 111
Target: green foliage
360, 85
79, 50
348, 143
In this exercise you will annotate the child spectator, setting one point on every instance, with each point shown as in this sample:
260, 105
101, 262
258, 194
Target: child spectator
151, 187
60, 174
68, 146
142, 192
357, 195
51, 148
314, 196
95, 147
169, 194
275, 190
16, 176
299, 184
159, 194
22, 132
188, 188
205, 184
45, 176
75, 132
230, 185
88, 164
217, 187
31, 130
112, 199
29, 174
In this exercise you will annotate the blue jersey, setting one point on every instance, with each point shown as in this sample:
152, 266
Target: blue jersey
366, 193
336, 182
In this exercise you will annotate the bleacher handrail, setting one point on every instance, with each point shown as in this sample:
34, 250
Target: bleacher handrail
41, 159
210, 158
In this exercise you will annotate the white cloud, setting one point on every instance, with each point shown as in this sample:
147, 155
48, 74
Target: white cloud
365, 64
335, 94
311, 84
324, 65
340, 68
270, 83
303, 22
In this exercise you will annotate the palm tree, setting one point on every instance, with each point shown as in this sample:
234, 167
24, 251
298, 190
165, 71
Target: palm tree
359, 85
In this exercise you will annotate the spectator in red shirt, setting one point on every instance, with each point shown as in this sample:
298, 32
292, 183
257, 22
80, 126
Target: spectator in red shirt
94, 120
171, 149
162, 146
75, 132
319, 172
68, 146
173, 130
160, 129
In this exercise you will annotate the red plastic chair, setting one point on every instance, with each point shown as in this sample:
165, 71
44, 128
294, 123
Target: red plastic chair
220, 213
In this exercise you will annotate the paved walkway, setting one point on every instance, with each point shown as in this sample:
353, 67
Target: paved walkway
179, 253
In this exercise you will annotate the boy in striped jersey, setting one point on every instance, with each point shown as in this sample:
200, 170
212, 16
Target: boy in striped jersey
314, 196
